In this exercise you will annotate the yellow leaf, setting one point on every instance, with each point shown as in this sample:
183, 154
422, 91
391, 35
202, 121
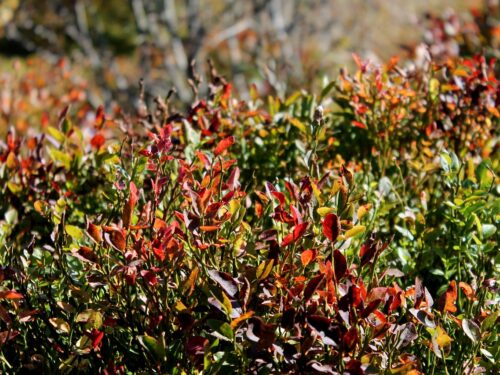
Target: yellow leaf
56, 134
363, 210
299, 125
190, 282
264, 269
292, 98
354, 231
434, 87
323, 211
234, 206
60, 157
460, 72
11, 161
179, 306
227, 304
317, 193
13, 187
337, 184
39, 206
442, 339
73, 231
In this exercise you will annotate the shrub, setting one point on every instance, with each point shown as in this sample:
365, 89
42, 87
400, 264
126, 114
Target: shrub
354, 231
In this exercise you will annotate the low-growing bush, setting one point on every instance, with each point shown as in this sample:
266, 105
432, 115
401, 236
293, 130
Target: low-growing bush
354, 231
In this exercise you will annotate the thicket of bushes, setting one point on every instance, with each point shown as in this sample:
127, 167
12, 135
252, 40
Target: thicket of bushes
352, 231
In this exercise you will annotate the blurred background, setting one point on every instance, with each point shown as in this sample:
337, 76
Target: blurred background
277, 45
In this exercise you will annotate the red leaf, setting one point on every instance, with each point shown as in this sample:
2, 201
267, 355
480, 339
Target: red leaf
357, 60
340, 265
297, 233
331, 227
159, 253
312, 286
196, 346
287, 240
149, 277
226, 94
323, 327
233, 180
99, 117
87, 253
350, 339
367, 251
204, 159
372, 306
97, 141
258, 210
359, 124
279, 196
223, 145
96, 337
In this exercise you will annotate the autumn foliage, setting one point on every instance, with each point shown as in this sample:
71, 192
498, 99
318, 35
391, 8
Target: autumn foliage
353, 231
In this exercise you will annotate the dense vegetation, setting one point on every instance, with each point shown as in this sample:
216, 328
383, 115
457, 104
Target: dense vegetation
349, 231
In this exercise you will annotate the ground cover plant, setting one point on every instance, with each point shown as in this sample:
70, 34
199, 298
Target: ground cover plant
353, 230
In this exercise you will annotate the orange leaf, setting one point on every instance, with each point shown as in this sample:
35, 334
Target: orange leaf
448, 299
238, 320
95, 232
223, 145
209, 228
117, 239
307, 256
10, 294
467, 290
128, 209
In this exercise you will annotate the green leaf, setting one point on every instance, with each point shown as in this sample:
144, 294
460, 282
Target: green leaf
326, 90
487, 355
66, 126
222, 330
11, 216
61, 157
489, 322
445, 162
488, 230
471, 329
153, 346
